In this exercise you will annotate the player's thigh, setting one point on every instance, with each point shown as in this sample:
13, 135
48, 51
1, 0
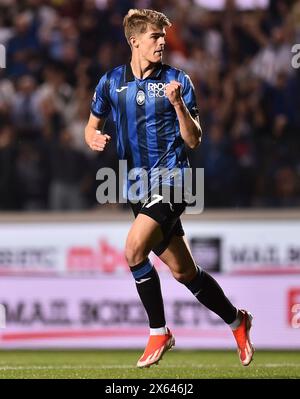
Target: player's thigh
179, 259
144, 234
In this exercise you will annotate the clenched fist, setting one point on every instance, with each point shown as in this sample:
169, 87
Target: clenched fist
98, 141
173, 92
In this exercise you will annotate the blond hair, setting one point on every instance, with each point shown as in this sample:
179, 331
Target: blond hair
137, 21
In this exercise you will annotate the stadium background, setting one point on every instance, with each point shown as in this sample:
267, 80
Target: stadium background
64, 282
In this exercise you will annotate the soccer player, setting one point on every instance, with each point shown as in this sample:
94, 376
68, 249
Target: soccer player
156, 116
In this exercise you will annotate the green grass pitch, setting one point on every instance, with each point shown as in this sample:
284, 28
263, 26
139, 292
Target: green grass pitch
115, 364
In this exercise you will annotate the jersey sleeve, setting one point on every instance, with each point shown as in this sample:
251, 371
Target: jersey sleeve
100, 106
188, 95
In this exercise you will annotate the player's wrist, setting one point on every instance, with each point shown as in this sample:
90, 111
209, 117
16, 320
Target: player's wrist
180, 107
178, 104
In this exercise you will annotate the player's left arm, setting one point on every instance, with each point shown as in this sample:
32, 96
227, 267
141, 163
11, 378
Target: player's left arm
190, 128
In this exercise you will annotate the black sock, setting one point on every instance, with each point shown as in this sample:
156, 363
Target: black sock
210, 294
148, 286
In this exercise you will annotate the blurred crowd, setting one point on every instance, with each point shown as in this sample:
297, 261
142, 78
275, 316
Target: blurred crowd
240, 63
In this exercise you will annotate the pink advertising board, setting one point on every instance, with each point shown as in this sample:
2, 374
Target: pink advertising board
105, 312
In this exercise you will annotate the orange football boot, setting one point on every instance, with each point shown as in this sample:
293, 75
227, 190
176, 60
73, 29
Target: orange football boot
241, 335
157, 345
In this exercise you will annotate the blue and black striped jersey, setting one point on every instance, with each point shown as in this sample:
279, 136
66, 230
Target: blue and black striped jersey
148, 134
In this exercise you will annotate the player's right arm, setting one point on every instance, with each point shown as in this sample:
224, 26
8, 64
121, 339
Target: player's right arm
94, 137
100, 109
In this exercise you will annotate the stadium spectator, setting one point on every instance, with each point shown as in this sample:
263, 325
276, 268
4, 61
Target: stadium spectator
22, 45
68, 175
32, 175
8, 178
25, 109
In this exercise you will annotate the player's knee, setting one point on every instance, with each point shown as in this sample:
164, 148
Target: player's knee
135, 252
184, 277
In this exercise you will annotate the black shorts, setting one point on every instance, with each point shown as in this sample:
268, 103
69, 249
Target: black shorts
166, 214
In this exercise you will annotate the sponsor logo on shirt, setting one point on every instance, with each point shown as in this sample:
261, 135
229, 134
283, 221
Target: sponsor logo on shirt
157, 89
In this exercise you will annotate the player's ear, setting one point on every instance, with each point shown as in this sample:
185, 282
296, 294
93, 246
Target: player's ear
134, 42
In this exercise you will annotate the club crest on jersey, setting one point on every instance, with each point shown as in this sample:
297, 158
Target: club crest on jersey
157, 89
140, 97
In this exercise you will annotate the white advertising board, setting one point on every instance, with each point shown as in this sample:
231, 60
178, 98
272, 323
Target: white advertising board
243, 247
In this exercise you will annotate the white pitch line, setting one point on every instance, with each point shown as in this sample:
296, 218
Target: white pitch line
279, 365
127, 366
65, 367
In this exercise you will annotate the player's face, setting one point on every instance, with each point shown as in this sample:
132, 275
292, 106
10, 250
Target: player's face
151, 44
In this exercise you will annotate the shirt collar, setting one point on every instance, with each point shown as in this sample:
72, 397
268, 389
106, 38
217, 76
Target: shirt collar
156, 73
